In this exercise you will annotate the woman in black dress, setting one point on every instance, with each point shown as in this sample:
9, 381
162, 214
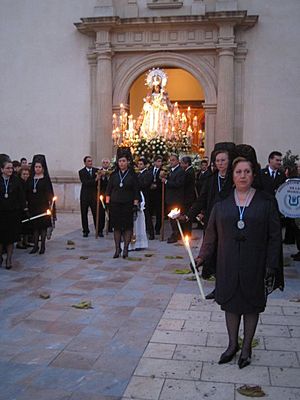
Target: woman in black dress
39, 194
244, 231
12, 203
122, 195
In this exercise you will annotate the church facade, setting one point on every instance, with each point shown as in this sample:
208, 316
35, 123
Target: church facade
66, 67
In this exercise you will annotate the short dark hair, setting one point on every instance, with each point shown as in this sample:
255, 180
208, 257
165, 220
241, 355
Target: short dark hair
158, 158
85, 158
187, 160
23, 159
16, 163
143, 160
274, 154
174, 155
204, 162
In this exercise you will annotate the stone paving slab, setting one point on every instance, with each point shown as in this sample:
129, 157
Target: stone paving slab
148, 335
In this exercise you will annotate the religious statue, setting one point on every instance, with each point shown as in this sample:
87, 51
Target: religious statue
157, 107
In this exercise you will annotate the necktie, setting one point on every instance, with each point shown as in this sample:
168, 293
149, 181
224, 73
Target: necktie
90, 171
154, 171
273, 174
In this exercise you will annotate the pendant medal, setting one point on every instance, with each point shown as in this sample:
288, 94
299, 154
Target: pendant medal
6, 195
121, 184
34, 190
240, 224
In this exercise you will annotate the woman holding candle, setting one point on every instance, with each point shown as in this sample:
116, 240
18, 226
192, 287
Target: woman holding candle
122, 196
39, 194
244, 231
12, 203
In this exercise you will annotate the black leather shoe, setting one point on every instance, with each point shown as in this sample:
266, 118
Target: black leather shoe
226, 357
151, 237
85, 234
244, 362
125, 253
42, 251
34, 250
172, 240
211, 295
100, 234
8, 266
117, 253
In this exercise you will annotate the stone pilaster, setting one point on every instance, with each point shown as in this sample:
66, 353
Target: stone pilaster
239, 87
210, 127
225, 108
92, 60
104, 96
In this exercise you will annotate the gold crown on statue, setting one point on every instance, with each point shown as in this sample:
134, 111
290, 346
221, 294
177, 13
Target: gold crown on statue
156, 76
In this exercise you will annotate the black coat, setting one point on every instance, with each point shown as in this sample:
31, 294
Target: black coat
201, 178
268, 184
175, 188
125, 194
88, 185
145, 179
243, 255
210, 195
189, 187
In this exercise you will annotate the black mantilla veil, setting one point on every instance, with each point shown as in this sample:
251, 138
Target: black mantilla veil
124, 152
3, 159
40, 158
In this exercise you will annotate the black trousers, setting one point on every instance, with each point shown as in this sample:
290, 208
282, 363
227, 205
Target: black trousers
85, 204
101, 218
155, 209
148, 220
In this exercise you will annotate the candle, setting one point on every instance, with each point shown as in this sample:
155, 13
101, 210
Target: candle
102, 202
48, 212
174, 214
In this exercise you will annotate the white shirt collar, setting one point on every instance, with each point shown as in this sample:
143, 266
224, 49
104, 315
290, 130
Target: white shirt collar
190, 166
173, 169
145, 169
272, 170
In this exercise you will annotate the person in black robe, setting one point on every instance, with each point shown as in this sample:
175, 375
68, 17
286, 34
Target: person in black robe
155, 193
122, 198
12, 204
39, 195
244, 232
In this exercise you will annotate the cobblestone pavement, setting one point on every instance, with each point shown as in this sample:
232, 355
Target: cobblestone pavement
148, 336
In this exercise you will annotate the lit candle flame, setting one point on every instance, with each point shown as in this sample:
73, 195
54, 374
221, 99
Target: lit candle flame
48, 212
54, 198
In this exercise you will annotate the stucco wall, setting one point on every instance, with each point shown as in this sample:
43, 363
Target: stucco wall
44, 78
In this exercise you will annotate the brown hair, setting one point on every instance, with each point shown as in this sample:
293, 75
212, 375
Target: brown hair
242, 159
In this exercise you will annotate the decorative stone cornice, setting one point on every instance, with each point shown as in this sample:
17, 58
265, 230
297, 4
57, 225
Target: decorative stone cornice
167, 4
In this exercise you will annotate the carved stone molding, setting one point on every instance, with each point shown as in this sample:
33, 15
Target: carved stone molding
164, 4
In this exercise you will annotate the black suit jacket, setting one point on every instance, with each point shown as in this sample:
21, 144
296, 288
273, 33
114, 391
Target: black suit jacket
144, 180
88, 184
189, 187
268, 184
175, 188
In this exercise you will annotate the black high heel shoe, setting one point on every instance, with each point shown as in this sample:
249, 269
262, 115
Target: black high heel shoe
34, 250
117, 253
244, 362
125, 253
42, 251
226, 357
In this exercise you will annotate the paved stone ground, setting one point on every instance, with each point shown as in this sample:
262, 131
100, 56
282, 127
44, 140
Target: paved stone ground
148, 335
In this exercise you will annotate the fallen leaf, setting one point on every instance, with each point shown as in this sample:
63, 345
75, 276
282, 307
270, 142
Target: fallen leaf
191, 278
182, 271
70, 248
83, 305
295, 300
44, 295
148, 255
134, 259
83, 257
251, 391
70, 242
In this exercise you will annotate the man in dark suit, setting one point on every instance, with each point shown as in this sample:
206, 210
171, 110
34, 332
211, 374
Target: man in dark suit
103, 173
174, 193
202, 175
145, 180
155, 195
189, 189
271, 176
88, 193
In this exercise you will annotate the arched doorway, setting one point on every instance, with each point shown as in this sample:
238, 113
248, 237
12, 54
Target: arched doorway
184, 91
200, 69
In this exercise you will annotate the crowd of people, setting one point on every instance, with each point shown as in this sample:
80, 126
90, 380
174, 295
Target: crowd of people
231, 198
25, 192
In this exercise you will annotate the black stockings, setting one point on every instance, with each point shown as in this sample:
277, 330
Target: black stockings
117, 238
233, 325
250, 324
9, 251
127, 235
36, 234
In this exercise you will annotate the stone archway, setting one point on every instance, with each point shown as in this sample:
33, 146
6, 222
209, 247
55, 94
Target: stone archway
205, 74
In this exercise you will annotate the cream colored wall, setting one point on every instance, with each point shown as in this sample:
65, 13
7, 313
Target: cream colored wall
181, 86
272, 77
44, 80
